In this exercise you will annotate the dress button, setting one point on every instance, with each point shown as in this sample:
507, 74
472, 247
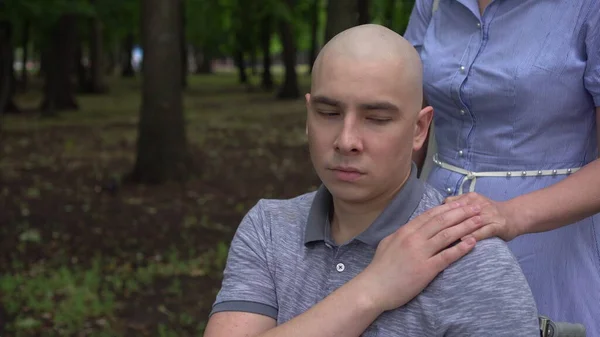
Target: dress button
340, 267
461, 153
478, 24
462, 69
449, 190
462, 112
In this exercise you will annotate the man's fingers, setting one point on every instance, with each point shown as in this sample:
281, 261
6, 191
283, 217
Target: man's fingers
426, 216
450, 255
447, 219
450, 235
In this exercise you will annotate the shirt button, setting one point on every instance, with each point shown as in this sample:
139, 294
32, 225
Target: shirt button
340, 267
461, 153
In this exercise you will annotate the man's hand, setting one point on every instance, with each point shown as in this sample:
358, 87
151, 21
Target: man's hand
497, 217
409, 259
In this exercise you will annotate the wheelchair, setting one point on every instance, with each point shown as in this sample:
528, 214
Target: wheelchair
549, 328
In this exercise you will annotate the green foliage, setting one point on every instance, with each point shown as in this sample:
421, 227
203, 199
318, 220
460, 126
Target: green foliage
400, 14
119, 18
68, 298
208, 24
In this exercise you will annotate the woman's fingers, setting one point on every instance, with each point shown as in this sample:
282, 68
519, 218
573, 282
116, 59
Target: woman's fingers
428, 215
448, 236
447, 219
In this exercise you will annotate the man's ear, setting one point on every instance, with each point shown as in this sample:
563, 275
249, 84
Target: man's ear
422, 127
307, 96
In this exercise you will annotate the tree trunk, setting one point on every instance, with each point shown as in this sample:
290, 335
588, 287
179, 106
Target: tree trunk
25, 46
363, 12
43, 61
82, 74
59, 88
203, 61
266, 30
341, 15
127, 69
289, 90
11, 107
241, 65
183, 41
5, 64
97, 84
112, 58
253, 61
162, 152
314, 29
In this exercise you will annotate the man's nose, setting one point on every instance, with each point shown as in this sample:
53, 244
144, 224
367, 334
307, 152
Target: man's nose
349, 140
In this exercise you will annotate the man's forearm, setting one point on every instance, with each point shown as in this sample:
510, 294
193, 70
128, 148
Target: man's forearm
345, 312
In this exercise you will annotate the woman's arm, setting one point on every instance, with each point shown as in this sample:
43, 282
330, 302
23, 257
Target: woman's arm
570, 200
573, 199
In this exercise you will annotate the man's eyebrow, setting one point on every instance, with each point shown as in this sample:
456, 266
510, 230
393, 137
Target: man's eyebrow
379, 106
325, 100
382, 105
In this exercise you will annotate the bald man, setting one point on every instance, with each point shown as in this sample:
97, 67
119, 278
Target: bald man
363, 255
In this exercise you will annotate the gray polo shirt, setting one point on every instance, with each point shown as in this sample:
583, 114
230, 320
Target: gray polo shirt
282, 261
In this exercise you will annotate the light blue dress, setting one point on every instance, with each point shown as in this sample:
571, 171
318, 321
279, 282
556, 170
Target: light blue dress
516, 89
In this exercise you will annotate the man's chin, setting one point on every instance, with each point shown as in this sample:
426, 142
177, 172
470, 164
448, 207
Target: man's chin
347, 192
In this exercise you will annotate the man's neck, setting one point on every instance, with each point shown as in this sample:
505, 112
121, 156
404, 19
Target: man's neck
350, 219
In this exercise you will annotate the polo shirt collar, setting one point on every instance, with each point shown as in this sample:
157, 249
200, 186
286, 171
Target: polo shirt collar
396, 214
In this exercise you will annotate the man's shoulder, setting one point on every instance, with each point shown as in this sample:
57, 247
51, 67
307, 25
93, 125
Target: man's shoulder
431, 197
489, 267
486, 254
291, 207
488, 281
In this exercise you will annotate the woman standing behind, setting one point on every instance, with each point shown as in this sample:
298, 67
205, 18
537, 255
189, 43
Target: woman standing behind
515, 86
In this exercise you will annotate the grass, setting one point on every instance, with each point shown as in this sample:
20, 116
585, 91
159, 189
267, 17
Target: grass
82, 258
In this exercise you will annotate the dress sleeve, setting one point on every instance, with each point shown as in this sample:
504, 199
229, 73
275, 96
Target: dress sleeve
592, 46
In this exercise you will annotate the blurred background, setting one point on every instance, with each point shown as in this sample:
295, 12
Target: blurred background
134, 136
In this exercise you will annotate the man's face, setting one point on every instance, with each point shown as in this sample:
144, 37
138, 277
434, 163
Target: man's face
362, 128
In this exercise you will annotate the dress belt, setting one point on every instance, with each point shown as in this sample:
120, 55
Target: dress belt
472, 176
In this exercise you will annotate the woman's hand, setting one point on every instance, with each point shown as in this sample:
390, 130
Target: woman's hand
498, 218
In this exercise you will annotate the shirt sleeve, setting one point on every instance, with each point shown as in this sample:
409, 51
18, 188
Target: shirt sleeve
592, 46
248, 284
418, 23
486, 294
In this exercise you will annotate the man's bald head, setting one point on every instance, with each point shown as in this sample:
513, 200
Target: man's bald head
373, 43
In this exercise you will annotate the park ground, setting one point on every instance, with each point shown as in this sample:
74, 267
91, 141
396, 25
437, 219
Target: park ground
82, 254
